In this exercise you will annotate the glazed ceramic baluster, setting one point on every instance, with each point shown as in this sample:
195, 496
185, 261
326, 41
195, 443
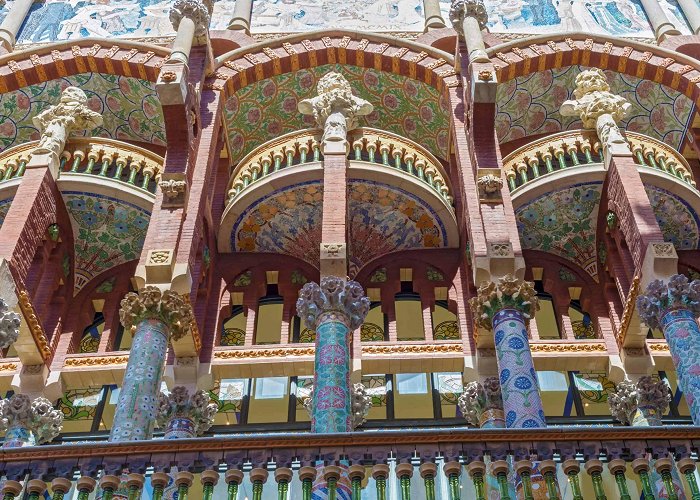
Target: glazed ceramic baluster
499, 468
687, 468
159, 480
109, 484
258, 477
571, 468
428, 471
674, 307
60, 486
452, 470
35, 488
380, 472
155, 318
617, 468
663, 467
640, 466
594, 467
233, 477
523, 468
356, 473
506, 308
334, 309
307, 475
283, 476
548, 468
404, 472
477, 471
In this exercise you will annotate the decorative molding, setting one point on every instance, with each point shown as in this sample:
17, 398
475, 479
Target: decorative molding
97, 361
569, 347
628, 311
8, 367
412, 349
35, 328
264, 353
658, 347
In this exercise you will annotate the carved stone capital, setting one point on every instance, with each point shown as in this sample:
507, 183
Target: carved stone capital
334, 294
197, 407
335, 109
37, 416
9, 325
360, 400
646, 393
490, 185
660, 297
468, 8
198, 11
509, 293
477, 398
150, 303
174, 188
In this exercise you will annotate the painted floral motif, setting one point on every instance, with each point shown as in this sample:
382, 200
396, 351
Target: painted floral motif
130, 108
107, 232
530, 104
4, 208
268, 108
564, 223
385, 219
331, 406
288, 222
677, 220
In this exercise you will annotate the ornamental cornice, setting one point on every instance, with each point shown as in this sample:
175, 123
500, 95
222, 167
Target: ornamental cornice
35, 328
97, 361
8, 367
264, 353
557, 347
412, 349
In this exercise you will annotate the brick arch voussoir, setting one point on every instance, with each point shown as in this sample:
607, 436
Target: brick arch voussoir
247, 65
524, 57
49, 62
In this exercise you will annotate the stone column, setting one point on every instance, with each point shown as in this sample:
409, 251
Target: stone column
241, 16
482, 404
154, 317
9, 29
691, 9
662, 26
674, 307
27, 422
184, 415
334, 309
640, 404
190, 19
433, 15
469, 17
506, 308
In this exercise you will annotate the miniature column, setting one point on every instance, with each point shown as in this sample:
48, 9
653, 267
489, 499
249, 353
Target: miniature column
640, 404
241, 16
155, 318
663, 27
482, 405
433, 15
184, 415
27, 422
674, 308
334, 309
691, 9
506, 308
9, 29
469, 17
190, 19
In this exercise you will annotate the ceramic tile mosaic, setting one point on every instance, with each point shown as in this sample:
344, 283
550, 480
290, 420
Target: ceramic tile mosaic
677, 220
4, 208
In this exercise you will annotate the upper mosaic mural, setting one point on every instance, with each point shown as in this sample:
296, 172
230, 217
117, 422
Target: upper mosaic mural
70, 19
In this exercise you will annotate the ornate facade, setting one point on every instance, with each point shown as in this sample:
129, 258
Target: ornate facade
423, 249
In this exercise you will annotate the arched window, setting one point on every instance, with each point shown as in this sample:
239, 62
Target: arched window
409, 313
445, 326
374, 329
268, 320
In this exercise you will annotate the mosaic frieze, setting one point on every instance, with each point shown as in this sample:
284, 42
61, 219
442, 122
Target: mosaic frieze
268, 108
530, 105
677, 220
564, 223
129, 106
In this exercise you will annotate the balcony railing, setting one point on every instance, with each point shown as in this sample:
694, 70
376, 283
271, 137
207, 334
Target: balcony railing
101, 157
579, 148
366, 144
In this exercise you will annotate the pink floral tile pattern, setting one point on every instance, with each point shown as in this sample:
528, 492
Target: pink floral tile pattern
268, 108
130, 108
529, 105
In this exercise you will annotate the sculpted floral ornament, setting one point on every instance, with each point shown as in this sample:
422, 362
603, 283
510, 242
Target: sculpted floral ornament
197, 408
9, 325
56, 123
172, 188
509, 292
198, 11
477, 398
361, 403
468, 8
598, 108
150, 303
647, 393
490, 184
333, 295
37, 416
335, 109
660, 297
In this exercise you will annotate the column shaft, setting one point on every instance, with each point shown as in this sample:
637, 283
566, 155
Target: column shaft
474, 40
9, 29
241, 15
433, 15
691, 9
660, 22
182, 45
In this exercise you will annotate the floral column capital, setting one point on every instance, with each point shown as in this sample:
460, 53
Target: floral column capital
660, 297
468, 8
9, 325
169, 307
629, 397
478, 398
37, 416
197, 408
509, 293
333, 295
198, 11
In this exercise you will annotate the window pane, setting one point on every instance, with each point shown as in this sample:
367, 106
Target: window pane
594, 389
449, 386
304, 386
546, 320
228, 395
556, 398
413, 396
376, 388
269, 401
409, 320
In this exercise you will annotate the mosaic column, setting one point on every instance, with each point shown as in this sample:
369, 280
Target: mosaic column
183, 415
640, 404
334, 309
27, 422
674, 307
482, 404
506, 308
154, 318
469, 17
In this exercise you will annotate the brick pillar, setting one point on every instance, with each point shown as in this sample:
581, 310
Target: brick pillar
335, 209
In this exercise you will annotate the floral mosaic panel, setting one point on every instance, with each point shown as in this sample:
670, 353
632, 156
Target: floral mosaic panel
529, 105
4, 208
268, 108
677, 220
107, 232
564, 223
385, 219
610, 17
130, 108
286, 222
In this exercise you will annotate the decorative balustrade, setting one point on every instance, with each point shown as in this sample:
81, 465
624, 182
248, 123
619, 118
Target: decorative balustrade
101, 157
366, 144
579, 148
445, 464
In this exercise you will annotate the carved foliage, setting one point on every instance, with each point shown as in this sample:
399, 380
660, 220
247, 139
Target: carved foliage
509, 292
660, 297
199, 11
197, 407
38, 416
478, 398
9, 325
150, 303
629, 397
333, 294
468, 8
